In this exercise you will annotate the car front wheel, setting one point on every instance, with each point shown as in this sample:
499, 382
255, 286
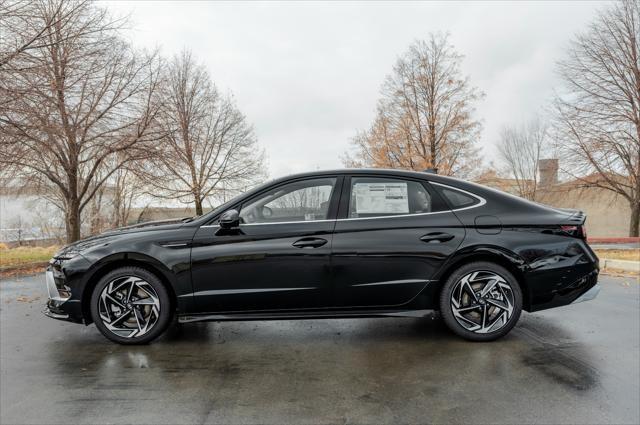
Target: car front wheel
130, 305
481, 301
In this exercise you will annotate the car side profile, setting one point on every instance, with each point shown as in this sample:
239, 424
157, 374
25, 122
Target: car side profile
343, 243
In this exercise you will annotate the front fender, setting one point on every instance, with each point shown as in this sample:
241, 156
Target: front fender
171, 266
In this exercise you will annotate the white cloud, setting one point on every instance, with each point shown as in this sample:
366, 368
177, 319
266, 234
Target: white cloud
307, 75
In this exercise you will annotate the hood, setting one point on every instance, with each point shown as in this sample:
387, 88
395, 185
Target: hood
107, 237
149, 225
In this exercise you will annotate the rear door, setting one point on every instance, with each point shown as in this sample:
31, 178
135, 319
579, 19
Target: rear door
391, 238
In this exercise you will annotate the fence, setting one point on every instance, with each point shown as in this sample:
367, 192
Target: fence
30, 236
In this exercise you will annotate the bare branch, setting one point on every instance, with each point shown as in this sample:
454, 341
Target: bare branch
208, 145
424, 117
77, 104
597, 113
520, 149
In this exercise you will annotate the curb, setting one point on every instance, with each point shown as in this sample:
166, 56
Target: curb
631, 266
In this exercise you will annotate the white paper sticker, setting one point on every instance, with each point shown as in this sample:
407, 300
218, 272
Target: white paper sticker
377, 198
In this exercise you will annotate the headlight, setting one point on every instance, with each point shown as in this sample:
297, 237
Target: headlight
75, 249
66, 253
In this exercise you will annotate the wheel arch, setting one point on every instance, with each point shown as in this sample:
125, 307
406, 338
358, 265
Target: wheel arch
509, 260
117, 261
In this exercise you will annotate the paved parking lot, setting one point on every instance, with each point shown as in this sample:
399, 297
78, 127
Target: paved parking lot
578, 364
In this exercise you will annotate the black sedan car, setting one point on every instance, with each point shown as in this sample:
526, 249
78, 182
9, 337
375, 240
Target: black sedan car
345, 243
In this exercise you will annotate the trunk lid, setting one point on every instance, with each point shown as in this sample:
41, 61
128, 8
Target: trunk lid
574, 216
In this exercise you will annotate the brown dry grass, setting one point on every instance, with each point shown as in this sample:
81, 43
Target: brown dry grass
619, 254
24, 256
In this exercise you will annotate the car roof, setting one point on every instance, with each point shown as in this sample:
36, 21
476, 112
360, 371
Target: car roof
378, 171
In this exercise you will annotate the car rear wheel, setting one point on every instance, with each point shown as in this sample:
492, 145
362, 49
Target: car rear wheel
130, 305
481, 301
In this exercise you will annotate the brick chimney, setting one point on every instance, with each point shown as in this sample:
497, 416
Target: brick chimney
548, 169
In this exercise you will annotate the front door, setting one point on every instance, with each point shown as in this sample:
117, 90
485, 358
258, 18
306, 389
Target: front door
278, 258
392, 237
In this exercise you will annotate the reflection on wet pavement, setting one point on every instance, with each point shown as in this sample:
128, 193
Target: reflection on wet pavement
577, 364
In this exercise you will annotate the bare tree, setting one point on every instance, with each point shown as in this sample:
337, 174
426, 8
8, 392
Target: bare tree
520, 148
209, 146
127, 189
21, 29
597, 115
83, 106
425, 116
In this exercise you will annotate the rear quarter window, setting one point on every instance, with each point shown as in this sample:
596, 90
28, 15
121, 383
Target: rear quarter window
457, 199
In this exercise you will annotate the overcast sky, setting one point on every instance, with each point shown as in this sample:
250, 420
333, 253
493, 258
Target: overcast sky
308, 75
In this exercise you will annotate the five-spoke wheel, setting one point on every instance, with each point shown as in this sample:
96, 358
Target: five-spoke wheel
130, 306
481, 301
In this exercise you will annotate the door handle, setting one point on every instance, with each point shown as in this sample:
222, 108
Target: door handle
309, 243
436, 237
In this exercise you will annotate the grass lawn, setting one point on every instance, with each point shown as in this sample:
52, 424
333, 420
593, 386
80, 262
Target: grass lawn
25, 255
619, 254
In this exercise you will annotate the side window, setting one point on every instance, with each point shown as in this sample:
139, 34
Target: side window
456, 198
306, 200
380, 197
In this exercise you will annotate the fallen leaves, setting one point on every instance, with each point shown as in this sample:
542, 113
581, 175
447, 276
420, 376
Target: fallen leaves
25, 270
27, 299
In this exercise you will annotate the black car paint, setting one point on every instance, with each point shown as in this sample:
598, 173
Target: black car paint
256, 272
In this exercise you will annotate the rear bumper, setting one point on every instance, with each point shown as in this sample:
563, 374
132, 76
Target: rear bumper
589, 295
583, 288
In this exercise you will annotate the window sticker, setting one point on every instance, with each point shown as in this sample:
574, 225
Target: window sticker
376, 198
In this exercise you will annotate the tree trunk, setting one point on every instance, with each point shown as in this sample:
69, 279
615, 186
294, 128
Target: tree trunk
72, 222
198, 205
634, 224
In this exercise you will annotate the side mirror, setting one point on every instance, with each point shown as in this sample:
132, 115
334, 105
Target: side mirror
229, 219
267, 212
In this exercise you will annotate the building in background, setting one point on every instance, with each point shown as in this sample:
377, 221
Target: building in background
149, 213
608, 213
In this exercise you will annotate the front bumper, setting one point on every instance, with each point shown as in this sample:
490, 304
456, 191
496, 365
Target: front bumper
60, 305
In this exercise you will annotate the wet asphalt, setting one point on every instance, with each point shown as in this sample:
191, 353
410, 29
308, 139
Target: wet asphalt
577, 364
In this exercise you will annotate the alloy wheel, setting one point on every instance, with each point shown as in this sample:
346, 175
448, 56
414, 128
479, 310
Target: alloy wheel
129, 307
482, 302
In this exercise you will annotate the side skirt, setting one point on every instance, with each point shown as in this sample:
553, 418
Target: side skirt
289, 315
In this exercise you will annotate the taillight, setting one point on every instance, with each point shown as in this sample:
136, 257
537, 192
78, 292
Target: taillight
575, 231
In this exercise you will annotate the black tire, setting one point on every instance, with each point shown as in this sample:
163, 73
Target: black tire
446, 303
163, 319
